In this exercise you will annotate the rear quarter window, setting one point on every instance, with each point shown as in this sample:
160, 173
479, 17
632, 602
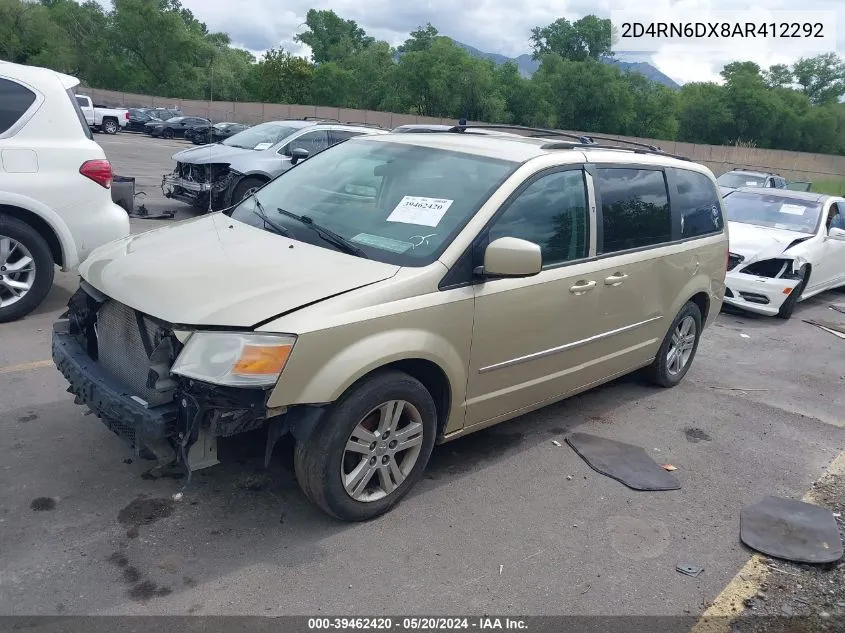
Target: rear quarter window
697, 204
79, 115
15, 100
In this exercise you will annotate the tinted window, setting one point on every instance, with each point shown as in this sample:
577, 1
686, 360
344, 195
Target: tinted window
737, 180
260, 137
400, 203
635, 208
314, 142
551, 212
79, 115
698, 204
15, 100
342, 135
836, 216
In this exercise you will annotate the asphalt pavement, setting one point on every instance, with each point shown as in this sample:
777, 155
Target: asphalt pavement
506, 522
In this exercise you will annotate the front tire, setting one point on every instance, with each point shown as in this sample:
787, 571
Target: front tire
788, 306
246, 188
678, 349
370, 449
26, 269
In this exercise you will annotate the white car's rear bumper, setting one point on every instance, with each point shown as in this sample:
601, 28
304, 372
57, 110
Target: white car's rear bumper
757, 294
103, 223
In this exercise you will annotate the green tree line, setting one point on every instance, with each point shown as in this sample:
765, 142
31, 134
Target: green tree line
158, 47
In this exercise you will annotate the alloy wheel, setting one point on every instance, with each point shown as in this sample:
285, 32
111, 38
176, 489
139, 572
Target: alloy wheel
17, 271
382, 450
681, 346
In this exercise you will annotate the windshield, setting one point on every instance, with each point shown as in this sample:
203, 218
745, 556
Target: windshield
399, 203
260, 137
740, 180
774, 212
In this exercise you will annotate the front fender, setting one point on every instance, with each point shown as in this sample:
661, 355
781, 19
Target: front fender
324, 381
70, 256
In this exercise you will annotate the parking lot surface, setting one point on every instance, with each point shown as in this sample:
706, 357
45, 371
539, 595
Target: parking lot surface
505, 522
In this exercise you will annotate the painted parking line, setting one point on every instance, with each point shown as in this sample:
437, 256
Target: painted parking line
718, 618
13, 369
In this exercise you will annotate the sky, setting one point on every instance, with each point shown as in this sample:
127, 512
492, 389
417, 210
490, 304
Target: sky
496, 26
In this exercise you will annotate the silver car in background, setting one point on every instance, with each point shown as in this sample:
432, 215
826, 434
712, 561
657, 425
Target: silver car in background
220, 175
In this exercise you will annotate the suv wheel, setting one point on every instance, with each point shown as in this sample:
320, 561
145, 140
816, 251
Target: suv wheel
370, 449
678, 349
246, 188
110, 126
26, 269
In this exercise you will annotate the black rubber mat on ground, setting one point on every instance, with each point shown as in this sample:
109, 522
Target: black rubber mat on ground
791, 530
625, 463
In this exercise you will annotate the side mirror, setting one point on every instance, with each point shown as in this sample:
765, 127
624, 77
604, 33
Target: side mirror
297, 155
836, 234
511, 257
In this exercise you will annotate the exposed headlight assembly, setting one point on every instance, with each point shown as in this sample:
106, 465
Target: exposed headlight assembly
235, 359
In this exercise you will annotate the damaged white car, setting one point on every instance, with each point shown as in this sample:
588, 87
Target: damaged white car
785, 246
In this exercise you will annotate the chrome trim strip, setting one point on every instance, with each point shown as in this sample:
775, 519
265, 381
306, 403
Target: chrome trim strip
566, 346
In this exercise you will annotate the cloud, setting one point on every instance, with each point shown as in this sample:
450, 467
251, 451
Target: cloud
497, 26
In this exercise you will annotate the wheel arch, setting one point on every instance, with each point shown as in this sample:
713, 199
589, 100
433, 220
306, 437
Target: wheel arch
42, 226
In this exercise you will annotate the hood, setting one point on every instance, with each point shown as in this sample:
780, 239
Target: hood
215, 271
214, 153
760, 242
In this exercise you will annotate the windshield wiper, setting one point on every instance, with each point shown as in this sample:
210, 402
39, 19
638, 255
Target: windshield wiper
259, 211
329, 236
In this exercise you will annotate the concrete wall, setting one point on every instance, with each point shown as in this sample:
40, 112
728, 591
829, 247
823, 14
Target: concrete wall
719, 158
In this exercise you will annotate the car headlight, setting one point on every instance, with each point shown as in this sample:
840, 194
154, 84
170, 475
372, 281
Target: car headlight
236, 359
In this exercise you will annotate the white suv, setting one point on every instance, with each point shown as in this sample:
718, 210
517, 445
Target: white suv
55, 181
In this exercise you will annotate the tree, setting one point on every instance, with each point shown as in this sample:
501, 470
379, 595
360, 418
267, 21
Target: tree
654, 108
331, 38
333, 86
587, 38
420, 40
374, 71
822, 78
703, 113
284, 78
778, 76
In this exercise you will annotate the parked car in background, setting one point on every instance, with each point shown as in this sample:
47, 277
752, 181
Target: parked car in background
174, 127
55, 203
785, 246
100, 118
737, 178
166, 113
203, 134
233, 169
138, 118
393, 292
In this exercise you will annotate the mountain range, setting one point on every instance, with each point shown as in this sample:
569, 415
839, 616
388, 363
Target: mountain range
528, 66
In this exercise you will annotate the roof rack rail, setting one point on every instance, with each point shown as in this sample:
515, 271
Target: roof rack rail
318, 118
539, 131
363, 124
635, 150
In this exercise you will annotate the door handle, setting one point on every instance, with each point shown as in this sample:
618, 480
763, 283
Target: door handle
615, 280
582, 286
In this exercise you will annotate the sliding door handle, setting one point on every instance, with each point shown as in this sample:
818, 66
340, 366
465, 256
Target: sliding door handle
582, 286
615, 280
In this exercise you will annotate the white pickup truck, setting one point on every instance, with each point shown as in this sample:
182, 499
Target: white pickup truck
108, 120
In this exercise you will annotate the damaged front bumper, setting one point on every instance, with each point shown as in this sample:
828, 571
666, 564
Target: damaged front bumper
761, 295
178, 419
195, 184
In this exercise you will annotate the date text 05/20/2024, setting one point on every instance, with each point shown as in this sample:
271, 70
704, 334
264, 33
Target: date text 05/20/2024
416, 624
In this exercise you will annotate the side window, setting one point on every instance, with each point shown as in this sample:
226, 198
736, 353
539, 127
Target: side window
341, 135
635, 208
551, 212
314, 142
836, 216
697, 204
15, 100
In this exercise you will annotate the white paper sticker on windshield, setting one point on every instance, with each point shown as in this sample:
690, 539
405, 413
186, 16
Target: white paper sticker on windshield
792, 209
421, 211
752, 183
261, 146
384, 243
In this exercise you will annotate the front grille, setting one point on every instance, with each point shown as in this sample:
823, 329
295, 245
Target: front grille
122, 352
734, 260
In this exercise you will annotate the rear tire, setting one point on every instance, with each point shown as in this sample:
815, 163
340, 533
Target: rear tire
678, 349
245, 188
794, 297
110, 126
326, 468
167, 133
14, 231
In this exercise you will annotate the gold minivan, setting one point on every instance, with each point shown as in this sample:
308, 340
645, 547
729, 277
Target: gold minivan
394, 292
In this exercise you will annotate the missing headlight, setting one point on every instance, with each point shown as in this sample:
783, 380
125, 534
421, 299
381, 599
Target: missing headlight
772, 268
